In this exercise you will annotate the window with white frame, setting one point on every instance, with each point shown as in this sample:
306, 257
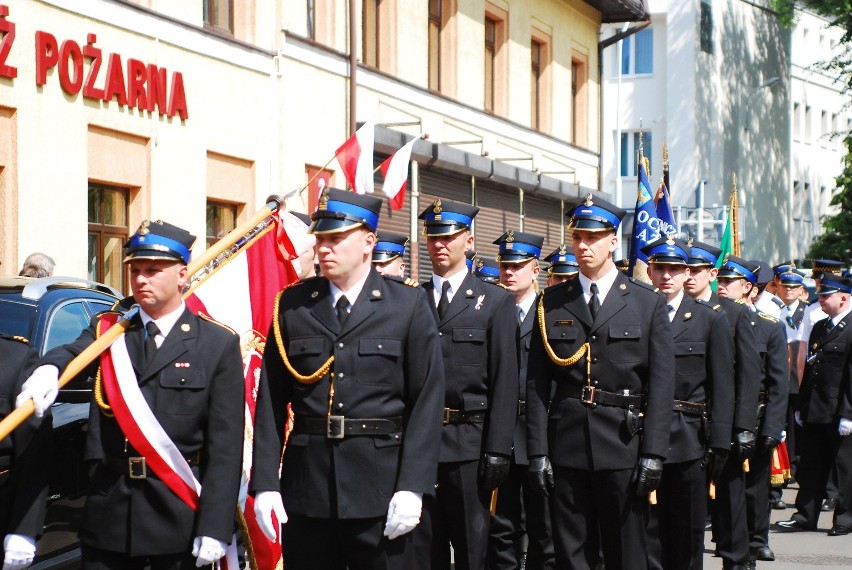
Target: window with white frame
630, 151
637, 53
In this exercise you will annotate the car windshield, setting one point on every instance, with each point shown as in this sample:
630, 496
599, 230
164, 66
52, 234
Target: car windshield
16, 318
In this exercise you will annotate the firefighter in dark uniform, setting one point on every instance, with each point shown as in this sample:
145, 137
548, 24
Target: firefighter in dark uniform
563, 265
389, 253
189, 372
737, 279
487, 270
730, 529
478, 326
702, 414
603, 339
824, 411
24, 460
520, 529
788, 284
356, 356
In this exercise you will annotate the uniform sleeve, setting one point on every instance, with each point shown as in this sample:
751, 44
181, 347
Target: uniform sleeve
747, 383
845, 408
31, 468
720, 373
223, 444
776, 382
270, 422
660, 388
503, 378
538, 392
424, 395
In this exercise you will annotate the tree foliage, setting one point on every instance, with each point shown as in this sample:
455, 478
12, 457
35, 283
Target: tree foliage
836, 239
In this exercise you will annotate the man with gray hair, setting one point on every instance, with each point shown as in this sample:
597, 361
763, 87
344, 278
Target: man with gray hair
37, 265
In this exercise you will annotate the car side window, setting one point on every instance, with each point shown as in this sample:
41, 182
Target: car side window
65, 325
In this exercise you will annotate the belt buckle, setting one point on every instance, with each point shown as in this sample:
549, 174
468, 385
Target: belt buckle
137, 468
334, 427
522, 407
447, 412
588, 395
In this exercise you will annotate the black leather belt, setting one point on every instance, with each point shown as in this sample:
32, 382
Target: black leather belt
591, 396
692, 408
452, 416
339, 427
137, 467
522, 407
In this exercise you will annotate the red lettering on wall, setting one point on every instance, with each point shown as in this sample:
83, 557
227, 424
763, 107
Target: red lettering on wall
157, 89
7, 28
47, 55
71, 53
177, 102
94, 54
137, 76
114, 85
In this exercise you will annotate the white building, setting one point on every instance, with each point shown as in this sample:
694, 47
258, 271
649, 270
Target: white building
711, 78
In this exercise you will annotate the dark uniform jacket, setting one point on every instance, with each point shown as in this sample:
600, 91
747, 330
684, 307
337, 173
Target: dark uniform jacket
25, 454
194, 385
387, 364
825, 394
631, 352
525, 332
746, 362
479, 346
771, 339
704, 374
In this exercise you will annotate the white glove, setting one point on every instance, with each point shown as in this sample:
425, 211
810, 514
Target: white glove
783, 435
403, 513
208, 550
42, 387
845, 427
267, 503
20, 551
798, 417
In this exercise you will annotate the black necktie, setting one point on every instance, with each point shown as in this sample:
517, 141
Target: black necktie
594, 302
151, 331
671, 312
342, 308
445, 299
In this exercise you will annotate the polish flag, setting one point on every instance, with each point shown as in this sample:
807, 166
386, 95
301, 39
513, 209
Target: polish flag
395, 173
356, 159
241, 294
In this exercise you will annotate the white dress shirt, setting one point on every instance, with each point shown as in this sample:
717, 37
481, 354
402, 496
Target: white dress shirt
165, 323
455, 284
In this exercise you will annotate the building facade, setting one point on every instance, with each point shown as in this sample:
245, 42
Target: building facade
712, 80
115, 111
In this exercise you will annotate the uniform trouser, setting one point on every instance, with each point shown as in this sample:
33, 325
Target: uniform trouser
520, 510
823, 450
457, 515
337, 544
677, 522
97, 559
757, 499
585, 502
730, 528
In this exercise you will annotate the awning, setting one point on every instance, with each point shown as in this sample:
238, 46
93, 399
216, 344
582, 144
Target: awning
621, 10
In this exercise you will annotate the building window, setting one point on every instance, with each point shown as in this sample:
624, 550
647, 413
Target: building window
107, 233
637, 53
311, 21
371, 25
706, 32
495, 60
808, 124
436, 24
797, 121
221, 219
630, 151
490, 56
219, 14
535, 84
579, 99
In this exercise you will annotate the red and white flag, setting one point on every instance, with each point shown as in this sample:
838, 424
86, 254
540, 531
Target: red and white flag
395, 173
356, 159
241, 294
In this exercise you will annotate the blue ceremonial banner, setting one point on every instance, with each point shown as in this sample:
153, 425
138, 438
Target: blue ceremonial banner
668, 226
646, 221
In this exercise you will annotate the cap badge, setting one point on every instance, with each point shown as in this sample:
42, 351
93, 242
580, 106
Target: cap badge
479, 263
510, 236
689, 241
588, 201
143, 229
323, 200
670, 241
562, 249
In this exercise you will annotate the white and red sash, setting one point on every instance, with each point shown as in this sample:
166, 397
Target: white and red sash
138, 422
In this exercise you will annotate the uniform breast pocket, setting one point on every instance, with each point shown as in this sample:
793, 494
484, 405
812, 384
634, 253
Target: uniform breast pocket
182, 391
622, 338
563, 340
308, 353
375, 355
834, 352
469, 346
689, 357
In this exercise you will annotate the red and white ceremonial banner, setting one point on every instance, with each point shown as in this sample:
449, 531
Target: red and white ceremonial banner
138, 422
395, 173
356, 159
241, 294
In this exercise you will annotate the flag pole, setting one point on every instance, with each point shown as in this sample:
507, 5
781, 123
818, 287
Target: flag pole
103, 342
735, 207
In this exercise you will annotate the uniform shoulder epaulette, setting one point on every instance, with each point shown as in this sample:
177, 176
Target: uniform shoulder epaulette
301, 282
739, 301
769, 318
404, 280
503, 286
123, 305
15, 337
703, 303
648, 286
215, 322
